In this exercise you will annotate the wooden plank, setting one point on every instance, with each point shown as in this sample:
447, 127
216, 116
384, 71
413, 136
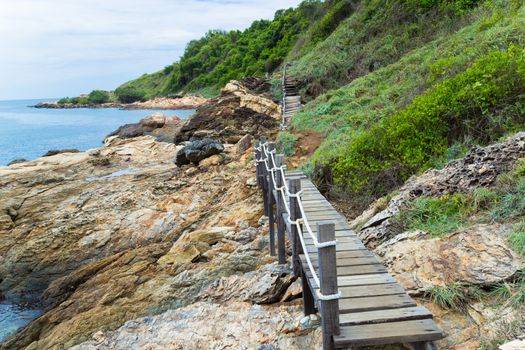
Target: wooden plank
357, 270
322, 215
384, 302
345, 254
349, 262
344, 243
366, 291
383, 316
340, 248
365, 280
388, 333
341, 239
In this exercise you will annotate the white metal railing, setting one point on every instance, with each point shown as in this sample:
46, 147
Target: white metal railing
266, 156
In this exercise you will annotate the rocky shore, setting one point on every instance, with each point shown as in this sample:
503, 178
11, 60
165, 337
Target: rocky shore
167, 103
127, 246
102, 237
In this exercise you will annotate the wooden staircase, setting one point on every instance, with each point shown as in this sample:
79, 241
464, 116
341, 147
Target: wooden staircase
291, 98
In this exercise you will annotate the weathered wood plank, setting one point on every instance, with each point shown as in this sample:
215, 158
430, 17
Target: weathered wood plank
341, 247
349, 262
388, 333
346, 254
383, 316
366, 291
357, 270
365, 280
384, 302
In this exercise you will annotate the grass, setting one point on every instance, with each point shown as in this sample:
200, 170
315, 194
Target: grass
517, 237
439, 216
345, 113
453, 296
503, 203
285, 143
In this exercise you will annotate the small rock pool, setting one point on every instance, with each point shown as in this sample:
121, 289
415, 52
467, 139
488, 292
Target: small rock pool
13, 317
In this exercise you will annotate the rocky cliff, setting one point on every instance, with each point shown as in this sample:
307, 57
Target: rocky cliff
118, 233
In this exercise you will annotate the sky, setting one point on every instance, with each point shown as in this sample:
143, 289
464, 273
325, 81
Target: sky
57, 48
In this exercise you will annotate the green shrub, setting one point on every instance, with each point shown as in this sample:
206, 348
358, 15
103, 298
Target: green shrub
129, 94
98, 96
286, 143
389, 152
64, 100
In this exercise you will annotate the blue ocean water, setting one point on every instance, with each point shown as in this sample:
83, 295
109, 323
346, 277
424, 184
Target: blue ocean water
28, 133
13, 317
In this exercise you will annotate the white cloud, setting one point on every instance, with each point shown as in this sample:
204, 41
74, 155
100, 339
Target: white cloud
52, 48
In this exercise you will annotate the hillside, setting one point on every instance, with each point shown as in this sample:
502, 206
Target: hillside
210, 62
426, 102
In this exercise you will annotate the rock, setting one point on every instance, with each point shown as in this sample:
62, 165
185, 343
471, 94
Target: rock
244, 236
192, 245
476, 255
228, 118
251, 182
197, 151
310, 321
266, 286
17, 161
214, 160
244, 144
167, 103
295, 291
54, 152
236, 325
513, 345
479, 168
270, 287
162, 127
95, 253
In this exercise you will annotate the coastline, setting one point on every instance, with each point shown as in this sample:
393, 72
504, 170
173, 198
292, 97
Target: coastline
158, 103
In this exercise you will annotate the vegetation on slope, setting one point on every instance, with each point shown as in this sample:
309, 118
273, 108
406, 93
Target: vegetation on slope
400, 119
377, 34
503, 203
211, 61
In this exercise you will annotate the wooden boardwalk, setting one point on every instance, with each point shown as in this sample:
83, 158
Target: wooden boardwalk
360, 302
291, 98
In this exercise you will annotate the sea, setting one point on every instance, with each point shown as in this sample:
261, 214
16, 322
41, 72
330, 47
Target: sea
28, 133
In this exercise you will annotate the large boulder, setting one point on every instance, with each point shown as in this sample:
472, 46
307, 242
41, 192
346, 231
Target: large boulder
250, 96
162, 127
197, 151
231, 116
476, 255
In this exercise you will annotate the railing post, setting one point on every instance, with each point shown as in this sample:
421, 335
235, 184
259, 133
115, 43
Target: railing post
271, 200
264, 178
281, 243
257, 154
294, 186
328, 281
